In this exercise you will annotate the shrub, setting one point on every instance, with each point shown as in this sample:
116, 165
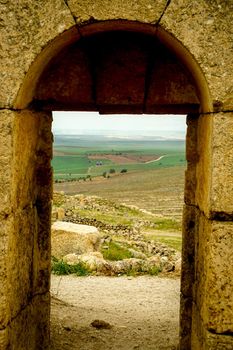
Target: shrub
115, 252
112, 171
123, 171
59, 267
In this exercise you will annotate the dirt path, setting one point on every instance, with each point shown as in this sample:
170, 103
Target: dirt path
143, 312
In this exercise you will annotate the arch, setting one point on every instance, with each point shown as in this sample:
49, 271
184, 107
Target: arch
77, 34
205, 208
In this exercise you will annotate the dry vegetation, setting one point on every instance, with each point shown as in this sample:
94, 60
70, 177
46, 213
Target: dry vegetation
159, 191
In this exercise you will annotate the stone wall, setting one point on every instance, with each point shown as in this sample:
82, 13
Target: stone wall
199, 35
25, 235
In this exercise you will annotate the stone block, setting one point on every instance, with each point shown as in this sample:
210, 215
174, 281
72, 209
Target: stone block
69, 238
32, 151
221, 203
213, 275
42, 248
188, 250
4, 339
20, 259
26, 28
204, 163
170, 86
142, 11
120, 73
6, 155
203, 27
67, 82
6, 229
30, 329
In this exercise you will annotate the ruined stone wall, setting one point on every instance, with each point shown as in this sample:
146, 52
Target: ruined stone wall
32, 33
26, 180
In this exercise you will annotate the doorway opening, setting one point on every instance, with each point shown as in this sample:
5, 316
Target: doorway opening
123, 174
121, 68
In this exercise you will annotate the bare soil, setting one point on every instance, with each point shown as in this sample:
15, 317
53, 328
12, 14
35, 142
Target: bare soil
143, 313
124, 159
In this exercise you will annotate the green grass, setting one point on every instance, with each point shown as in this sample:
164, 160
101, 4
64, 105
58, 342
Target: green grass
59, 267
165, 224
115, 252
75, 162
174, 242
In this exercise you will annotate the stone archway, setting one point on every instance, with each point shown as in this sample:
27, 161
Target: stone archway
26, 142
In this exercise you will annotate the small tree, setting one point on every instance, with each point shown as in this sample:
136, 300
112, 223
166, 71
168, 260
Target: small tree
105, 174
123, 171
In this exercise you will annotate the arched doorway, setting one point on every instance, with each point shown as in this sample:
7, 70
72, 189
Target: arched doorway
117, 67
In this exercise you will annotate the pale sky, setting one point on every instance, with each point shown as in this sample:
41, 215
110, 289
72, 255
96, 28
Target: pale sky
75, 122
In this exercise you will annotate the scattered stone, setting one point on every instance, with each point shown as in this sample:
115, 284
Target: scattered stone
99, 324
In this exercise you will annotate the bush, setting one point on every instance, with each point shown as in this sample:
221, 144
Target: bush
104, 174
59, 267
123, 171
112, 171
116, 252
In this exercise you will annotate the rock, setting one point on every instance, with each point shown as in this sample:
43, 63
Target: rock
178, 265
99, 324
60, 214
137, 254
94, 261
69, 238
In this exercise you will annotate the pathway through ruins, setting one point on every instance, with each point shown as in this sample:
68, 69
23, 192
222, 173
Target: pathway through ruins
143, 313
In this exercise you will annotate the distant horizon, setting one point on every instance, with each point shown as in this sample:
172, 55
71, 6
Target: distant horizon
91, 123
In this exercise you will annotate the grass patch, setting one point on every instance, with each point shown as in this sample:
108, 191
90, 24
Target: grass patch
113, 251
171, 241
59, 267
167, 224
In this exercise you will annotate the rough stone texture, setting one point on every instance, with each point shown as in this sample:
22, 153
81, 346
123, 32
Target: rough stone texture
117, 72
187, 275
25, 231
6, 140
30, 330
26, 27
204, 27
201, 38
142, 10
192, 159
222, 165
68, 80
69, 238
204, 162
213, 296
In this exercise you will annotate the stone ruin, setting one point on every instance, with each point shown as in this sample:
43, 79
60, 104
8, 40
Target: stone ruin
116, 57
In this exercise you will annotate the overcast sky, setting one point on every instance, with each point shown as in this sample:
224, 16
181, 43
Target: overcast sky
75, 122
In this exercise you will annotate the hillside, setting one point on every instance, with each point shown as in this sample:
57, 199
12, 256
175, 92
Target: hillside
159, 191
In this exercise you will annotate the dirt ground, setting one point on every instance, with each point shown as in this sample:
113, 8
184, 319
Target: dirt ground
143, 313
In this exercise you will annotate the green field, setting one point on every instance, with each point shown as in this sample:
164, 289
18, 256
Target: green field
71, 155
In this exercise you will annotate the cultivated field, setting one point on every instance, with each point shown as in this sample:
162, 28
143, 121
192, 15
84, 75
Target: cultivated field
81, 157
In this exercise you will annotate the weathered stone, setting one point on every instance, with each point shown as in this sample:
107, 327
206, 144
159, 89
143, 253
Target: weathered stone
143, 10
68, 81
68, 238
32, 152
204, 27
204, 163
27, 27
36, 314
221, 202
6, 153
213, 291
